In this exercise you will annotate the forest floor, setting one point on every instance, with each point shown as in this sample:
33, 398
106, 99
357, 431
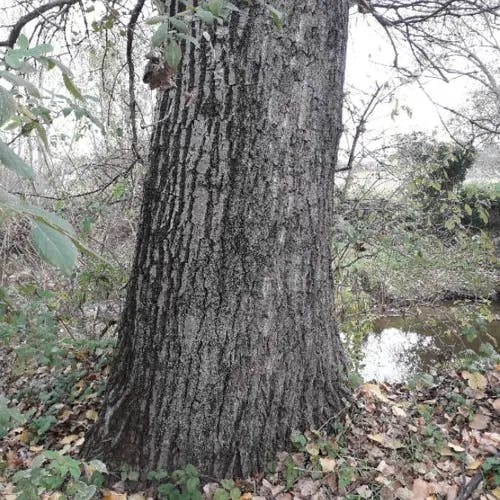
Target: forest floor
434, 438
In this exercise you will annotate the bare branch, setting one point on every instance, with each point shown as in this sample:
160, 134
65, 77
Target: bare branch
30, 16
131, 72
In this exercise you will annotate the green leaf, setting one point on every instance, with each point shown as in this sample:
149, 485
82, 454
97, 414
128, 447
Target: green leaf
12, 60
179, 25
20, 82
216, 7
99, 466
160, 35
483, 215
7, 105
227, 484
235, 494
42, 134
192, 484
205, 15
220, 494
15, 163
191, 470
155, 20
52, 62
54, 247
188, 38
173, 54
230, 6
298, 440
468, 209
84, 491
22, 42
276, 16
68, 83
39, 50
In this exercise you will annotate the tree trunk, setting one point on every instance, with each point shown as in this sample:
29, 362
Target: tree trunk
228, 339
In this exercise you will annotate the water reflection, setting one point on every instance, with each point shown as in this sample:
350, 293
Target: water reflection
385, 355
400, 347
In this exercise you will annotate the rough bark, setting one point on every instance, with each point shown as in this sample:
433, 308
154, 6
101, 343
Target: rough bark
228, 339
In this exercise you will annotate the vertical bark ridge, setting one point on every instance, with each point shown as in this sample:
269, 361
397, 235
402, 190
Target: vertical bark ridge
228, 340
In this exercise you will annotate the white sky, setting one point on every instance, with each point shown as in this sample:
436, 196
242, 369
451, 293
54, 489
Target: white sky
370, 59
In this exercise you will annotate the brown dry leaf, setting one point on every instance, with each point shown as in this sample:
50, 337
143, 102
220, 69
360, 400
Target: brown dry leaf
496, 492
276, 490
113, 495
327, 464
374, 390
364, 491
331, 481
384, 468
53, 496
404, 494
312, 449
386, 441
475, 380
69, 439
496, 405
421, 489
24, 437
479, 422
445, 489
494, 437
13, 460
475, 465
383, 480
456, 447
246, 496
445, 452
398, 412
91, 415
306, 487
209, 489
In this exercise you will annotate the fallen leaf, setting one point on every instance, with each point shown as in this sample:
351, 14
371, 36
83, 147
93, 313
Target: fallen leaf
312, 449
445, 451
475, 465
479, 422
364, 491
13, 460
398, 412
331, 481
374, 391
404, 494
456, 447
327, 464
91, 415
385, 469
475, 380
420, 489
113, 495
386, 441
306, 487
70, 438
496, 405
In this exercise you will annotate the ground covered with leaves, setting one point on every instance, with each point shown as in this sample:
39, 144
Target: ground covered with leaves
432, 438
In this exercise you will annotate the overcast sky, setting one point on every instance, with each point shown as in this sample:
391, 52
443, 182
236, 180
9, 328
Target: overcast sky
370, 59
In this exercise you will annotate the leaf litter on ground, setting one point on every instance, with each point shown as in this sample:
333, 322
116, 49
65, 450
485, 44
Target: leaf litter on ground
437, 439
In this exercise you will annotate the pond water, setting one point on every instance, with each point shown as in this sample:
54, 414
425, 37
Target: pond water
401, 346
